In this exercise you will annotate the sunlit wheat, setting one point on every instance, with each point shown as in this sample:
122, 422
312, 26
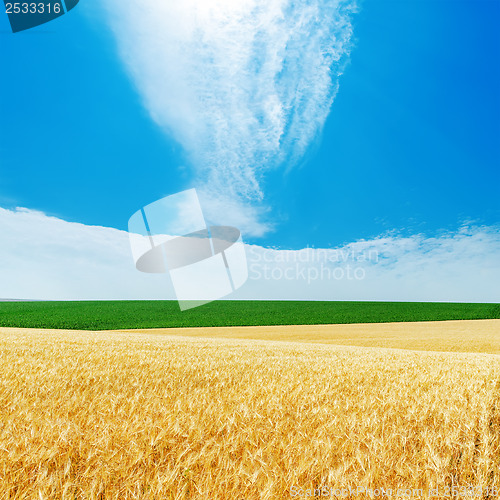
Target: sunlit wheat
120, 416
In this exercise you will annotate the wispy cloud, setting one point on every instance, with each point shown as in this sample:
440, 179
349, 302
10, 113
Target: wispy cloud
244, 85
459, 266
44, 257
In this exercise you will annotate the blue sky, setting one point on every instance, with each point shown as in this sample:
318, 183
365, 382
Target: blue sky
413, 140
76, 141
304, 124
412, 143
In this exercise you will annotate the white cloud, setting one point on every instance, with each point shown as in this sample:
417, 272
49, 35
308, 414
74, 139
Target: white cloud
462, 266
243, 85
44, 257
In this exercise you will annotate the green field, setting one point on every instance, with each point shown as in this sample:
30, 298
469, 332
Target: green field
114, 315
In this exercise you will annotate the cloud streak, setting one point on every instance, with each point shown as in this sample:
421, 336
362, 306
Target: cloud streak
244, 85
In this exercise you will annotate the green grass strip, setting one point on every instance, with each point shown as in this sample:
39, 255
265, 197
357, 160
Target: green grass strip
114, 315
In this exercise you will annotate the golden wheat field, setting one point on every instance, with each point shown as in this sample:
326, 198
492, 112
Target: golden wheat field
101, 415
